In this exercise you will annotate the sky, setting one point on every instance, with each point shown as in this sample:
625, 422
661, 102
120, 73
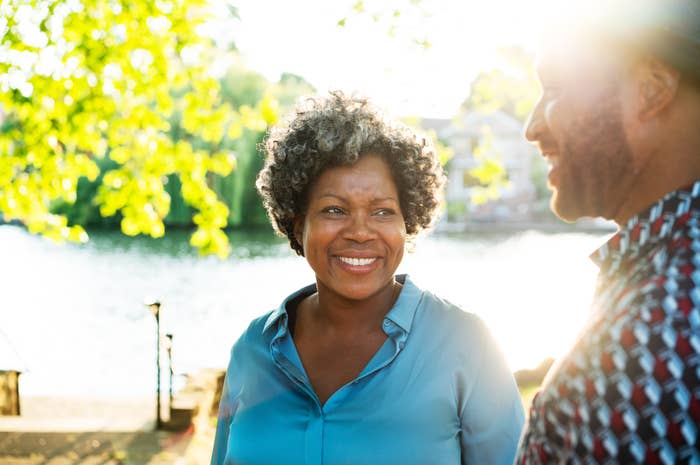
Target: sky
303, 37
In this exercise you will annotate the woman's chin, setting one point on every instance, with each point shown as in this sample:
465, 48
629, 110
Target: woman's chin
358, 290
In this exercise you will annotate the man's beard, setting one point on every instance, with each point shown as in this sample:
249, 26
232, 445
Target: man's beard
597, 163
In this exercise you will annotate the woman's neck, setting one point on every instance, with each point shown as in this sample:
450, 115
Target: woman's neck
335, 312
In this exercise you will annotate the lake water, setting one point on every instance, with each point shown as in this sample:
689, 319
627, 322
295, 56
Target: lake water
73, 315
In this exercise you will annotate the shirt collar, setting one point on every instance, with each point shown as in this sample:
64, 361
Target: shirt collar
649, 227
404, 308
281, 311
401, 313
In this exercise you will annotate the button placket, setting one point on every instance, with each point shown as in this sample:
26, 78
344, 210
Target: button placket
290, 370
314, 437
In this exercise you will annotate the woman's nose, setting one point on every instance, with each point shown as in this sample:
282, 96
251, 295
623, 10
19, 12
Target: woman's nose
359, 228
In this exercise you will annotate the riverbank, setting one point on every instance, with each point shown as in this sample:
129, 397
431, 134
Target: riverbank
81, 414
108, 431
93, 431
586, 225
96, 447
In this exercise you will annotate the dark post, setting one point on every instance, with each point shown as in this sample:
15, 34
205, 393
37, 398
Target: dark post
155, 309
169, 339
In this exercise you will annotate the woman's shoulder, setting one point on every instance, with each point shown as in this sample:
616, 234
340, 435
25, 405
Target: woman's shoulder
253, 334
261, 323
269, 322
442, 327
435, 316
443, 311
435, 308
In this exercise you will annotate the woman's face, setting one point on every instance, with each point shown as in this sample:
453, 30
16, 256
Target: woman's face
353, 231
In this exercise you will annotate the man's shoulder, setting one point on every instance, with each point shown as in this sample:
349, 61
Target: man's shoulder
669, 268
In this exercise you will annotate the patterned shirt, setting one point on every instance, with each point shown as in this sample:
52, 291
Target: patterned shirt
628, 392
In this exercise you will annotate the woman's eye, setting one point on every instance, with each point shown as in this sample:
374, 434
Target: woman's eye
385, 212
333, 210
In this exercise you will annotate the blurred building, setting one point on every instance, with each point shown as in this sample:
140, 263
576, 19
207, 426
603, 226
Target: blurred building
497, 136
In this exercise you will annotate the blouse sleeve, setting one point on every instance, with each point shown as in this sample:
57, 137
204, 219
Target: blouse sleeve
492, 414
227, 410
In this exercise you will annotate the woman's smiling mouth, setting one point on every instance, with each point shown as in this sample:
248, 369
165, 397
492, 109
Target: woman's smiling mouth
357, 261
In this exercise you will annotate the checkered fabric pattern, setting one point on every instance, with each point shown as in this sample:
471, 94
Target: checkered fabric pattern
628, 392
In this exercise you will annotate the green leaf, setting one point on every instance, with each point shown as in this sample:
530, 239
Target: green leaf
119, 93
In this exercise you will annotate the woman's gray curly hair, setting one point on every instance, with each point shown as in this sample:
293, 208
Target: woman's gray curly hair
337, 130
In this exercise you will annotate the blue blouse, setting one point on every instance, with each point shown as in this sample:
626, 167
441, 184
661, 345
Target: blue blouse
438, 391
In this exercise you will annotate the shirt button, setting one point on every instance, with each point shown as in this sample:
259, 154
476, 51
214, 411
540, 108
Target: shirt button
386, 323
401, 345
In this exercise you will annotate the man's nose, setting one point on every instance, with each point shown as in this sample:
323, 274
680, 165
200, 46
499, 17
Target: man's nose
535, 124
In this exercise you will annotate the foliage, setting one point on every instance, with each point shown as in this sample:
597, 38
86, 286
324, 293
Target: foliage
82, 82
239, 86
490, 173
398, 18
444, 151
248, 94
538, 176
512, 87
288, 90
456, 210
247, 209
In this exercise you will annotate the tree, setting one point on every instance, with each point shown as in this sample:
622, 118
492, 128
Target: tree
249, 96
394, 18
512, 87
86, 91
240, 87
247, 208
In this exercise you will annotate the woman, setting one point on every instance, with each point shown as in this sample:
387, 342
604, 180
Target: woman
362, 367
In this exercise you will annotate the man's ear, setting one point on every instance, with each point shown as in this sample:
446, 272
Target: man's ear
658, 86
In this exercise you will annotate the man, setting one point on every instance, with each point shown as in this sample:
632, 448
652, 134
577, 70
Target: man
619, 123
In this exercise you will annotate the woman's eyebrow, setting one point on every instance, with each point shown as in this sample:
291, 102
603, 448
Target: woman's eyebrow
384, 199
340, 197
331, 194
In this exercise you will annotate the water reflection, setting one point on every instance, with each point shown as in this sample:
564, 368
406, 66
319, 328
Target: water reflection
75, 313
245, 243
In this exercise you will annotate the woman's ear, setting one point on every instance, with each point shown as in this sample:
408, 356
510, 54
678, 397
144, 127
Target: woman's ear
299, 228
658, 86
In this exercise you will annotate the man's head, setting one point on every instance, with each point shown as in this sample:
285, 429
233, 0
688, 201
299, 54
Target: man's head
609, 104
